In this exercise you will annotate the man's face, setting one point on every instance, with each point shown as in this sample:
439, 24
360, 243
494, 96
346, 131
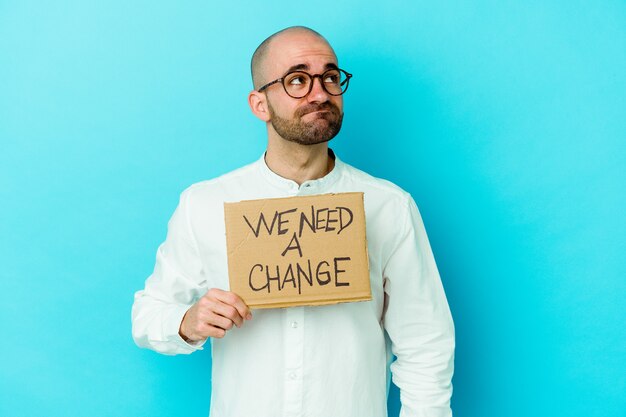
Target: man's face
315, 118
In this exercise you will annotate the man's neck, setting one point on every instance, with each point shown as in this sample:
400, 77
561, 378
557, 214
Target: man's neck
297, 162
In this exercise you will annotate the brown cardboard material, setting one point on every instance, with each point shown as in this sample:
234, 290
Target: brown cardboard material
305, 250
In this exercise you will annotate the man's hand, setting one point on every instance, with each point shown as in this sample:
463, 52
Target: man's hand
215, 313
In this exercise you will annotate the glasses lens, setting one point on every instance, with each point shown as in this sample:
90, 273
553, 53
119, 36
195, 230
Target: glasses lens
335, 81
297, 84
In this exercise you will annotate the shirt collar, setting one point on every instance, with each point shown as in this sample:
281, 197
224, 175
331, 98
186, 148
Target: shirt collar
315, 186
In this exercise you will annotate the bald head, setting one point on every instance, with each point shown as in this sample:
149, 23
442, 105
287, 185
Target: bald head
257, 65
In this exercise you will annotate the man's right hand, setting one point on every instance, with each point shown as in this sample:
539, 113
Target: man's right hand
215, 313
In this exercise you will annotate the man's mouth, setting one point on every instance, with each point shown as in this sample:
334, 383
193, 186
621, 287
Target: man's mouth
318, 114
317, 110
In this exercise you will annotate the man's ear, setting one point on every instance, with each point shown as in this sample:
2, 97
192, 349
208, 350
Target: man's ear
258, 104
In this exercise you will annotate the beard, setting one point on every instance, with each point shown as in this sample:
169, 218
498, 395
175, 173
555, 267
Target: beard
322, 129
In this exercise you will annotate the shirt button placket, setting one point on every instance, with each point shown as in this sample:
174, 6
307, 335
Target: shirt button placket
294, 360
306, 189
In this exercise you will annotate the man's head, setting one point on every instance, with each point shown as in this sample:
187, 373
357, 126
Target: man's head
314, 118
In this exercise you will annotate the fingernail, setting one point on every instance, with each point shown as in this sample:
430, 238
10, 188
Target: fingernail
249, 316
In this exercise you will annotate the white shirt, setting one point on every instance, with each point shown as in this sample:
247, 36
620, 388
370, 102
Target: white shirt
324, 361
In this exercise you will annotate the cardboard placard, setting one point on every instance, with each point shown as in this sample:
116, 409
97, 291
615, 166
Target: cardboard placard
305, 250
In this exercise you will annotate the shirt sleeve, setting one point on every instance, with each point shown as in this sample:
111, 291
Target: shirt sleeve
419, 323
171, 289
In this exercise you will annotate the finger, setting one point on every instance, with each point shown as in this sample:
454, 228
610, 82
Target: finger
212, 302
229, 302
212, 331
227, 311
230, 298
221, 322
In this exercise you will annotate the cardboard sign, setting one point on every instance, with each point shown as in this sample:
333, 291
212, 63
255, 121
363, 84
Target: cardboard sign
306, 250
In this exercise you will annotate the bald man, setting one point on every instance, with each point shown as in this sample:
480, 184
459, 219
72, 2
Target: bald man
324, 361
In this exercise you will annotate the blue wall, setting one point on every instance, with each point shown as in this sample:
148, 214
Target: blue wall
505, 120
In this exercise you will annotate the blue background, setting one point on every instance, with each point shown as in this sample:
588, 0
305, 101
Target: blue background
505, 120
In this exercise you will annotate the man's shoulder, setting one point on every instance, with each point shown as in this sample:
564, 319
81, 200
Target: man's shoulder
381, 187
222, 183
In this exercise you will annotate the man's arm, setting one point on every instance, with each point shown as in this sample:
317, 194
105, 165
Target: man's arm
174, 313
419, 323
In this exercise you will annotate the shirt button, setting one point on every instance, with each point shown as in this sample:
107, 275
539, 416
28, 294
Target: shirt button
294, 324
292, 375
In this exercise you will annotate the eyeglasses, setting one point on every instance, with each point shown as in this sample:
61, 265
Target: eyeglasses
298, 84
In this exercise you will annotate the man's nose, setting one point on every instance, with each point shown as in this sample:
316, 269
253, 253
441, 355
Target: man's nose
318, 94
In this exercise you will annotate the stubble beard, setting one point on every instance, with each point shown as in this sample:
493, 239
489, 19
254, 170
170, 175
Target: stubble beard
322, 129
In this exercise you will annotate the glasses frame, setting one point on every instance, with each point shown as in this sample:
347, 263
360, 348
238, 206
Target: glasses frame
313, 77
